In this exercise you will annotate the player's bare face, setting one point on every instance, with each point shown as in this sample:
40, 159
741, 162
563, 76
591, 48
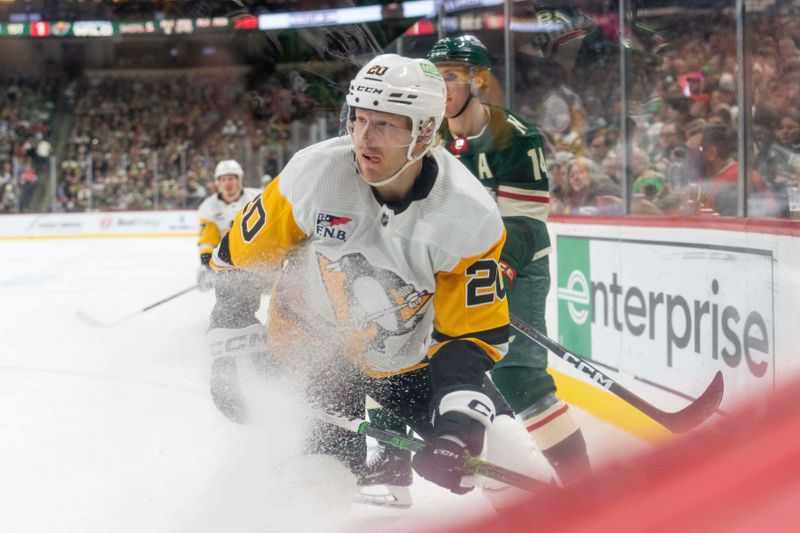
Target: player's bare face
381, 143
229, 187
457, 78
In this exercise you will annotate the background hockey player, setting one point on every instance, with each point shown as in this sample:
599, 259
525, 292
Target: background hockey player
390, 285
217, 212
507, 155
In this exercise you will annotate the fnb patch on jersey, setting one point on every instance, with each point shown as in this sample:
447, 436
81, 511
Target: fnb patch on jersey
331, 226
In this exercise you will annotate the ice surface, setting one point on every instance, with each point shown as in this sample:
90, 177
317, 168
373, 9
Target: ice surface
114, 429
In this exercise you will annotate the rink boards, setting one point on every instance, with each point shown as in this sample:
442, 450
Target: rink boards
661, 304
669, 302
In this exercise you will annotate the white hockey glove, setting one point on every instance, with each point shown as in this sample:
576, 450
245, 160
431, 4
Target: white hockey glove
459, 425
205, 278
238, 364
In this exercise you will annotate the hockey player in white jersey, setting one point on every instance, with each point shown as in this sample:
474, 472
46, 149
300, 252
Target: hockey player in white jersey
217, 212
384, 254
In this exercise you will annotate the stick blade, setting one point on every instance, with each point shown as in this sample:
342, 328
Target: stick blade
699, 410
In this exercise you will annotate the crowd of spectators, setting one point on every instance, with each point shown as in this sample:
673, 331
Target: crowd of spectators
151, 141
125, 130
26, 110
154, 141
683, 125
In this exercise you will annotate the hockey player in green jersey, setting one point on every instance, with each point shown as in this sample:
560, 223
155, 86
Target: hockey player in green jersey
507, 155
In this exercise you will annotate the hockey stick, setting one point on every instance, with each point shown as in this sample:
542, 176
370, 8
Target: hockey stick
107, 324
472, 465
681, 421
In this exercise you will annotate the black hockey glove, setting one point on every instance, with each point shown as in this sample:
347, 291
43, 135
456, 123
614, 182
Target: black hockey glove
459, 425
205, 278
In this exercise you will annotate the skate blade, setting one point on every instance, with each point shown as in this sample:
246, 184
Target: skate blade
384, 496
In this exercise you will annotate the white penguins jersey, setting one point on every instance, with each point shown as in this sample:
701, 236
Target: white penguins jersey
389, 286
216, 217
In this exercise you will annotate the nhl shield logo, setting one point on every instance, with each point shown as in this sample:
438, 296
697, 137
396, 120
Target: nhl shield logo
332, 226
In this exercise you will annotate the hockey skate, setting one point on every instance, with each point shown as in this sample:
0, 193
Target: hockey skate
386, 479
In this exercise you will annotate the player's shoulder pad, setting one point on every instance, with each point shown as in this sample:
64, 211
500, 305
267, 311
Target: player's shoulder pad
459, 216
208, 207
316, 166
505, 122
251, 192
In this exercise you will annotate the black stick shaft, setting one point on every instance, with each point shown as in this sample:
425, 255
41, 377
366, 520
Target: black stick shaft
168, 298
689, 417
472, 464
107, 324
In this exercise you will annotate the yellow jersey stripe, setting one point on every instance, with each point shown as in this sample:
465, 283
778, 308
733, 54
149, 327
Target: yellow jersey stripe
454, 316
264, 231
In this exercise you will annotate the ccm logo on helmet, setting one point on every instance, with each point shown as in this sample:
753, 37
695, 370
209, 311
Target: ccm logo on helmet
366, 89
377, 70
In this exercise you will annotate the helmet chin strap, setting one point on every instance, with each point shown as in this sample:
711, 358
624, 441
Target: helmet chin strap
464, 107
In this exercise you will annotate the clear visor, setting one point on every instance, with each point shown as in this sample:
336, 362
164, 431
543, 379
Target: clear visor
452, 74
376, 131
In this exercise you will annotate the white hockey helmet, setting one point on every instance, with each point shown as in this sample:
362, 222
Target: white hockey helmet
409, 87
228, 166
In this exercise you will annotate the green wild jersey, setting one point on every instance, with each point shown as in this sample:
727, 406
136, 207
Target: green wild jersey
508, 157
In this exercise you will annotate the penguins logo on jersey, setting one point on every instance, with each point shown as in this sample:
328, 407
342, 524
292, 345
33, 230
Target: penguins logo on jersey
370, 304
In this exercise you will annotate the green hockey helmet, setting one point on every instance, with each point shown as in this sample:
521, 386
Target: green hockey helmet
463, 49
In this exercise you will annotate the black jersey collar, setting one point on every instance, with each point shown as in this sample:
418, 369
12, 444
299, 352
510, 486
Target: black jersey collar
420, 190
